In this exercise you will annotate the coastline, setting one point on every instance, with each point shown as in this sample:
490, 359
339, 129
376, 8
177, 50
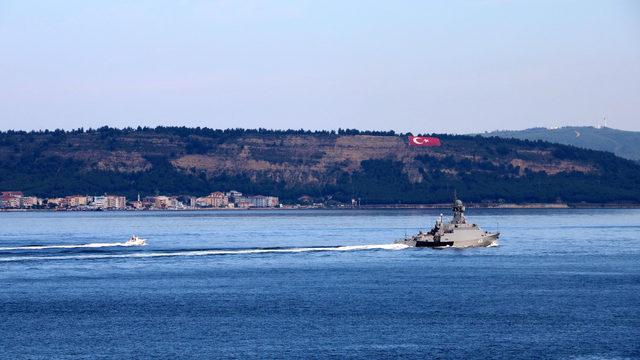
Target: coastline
368, 207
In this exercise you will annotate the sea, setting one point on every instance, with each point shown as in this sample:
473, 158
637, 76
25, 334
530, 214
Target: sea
320, 284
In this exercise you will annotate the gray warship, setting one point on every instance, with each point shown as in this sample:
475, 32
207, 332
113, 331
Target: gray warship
457, 233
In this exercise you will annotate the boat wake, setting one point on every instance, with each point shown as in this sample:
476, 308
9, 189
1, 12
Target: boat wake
79, 246
209, 252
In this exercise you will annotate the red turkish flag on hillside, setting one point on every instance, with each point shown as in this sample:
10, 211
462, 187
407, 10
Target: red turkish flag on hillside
424, 141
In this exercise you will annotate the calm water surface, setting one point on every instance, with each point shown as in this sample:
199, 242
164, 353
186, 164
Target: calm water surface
561, 284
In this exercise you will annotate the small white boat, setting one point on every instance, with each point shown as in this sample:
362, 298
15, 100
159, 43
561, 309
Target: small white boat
136, 241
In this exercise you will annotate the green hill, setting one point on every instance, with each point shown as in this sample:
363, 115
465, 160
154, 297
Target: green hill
625, 144
377, 167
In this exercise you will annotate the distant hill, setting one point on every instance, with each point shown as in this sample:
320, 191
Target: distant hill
625, 144
377, 167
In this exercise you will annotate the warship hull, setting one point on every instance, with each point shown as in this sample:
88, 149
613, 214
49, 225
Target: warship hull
483, 240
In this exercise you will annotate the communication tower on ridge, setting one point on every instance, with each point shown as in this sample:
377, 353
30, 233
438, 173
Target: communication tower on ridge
603, 124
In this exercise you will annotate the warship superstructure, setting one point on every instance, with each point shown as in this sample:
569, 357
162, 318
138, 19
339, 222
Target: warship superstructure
456, 233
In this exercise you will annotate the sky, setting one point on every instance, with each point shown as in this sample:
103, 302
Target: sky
411, 66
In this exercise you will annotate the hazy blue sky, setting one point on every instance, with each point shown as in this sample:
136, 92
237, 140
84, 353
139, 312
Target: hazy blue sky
422, 66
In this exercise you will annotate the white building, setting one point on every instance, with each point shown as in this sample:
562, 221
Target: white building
259, 201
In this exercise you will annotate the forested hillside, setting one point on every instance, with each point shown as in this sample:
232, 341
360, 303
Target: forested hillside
377, 167
625, 144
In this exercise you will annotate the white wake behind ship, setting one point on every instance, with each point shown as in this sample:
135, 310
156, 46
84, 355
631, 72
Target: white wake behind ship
133, 241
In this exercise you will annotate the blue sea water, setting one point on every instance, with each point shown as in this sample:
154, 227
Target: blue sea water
318, 284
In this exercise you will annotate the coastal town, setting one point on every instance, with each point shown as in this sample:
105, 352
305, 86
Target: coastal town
17, 200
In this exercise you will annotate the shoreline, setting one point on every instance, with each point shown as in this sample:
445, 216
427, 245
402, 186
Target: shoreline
510, 206
368, 207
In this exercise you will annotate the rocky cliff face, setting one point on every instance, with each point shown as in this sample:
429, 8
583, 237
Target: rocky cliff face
312, 160
298, 160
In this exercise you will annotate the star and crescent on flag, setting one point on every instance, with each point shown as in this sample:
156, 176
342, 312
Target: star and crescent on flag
424, 141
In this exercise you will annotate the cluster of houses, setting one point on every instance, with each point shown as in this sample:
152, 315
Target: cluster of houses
17, 200
236, 199
231, 199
